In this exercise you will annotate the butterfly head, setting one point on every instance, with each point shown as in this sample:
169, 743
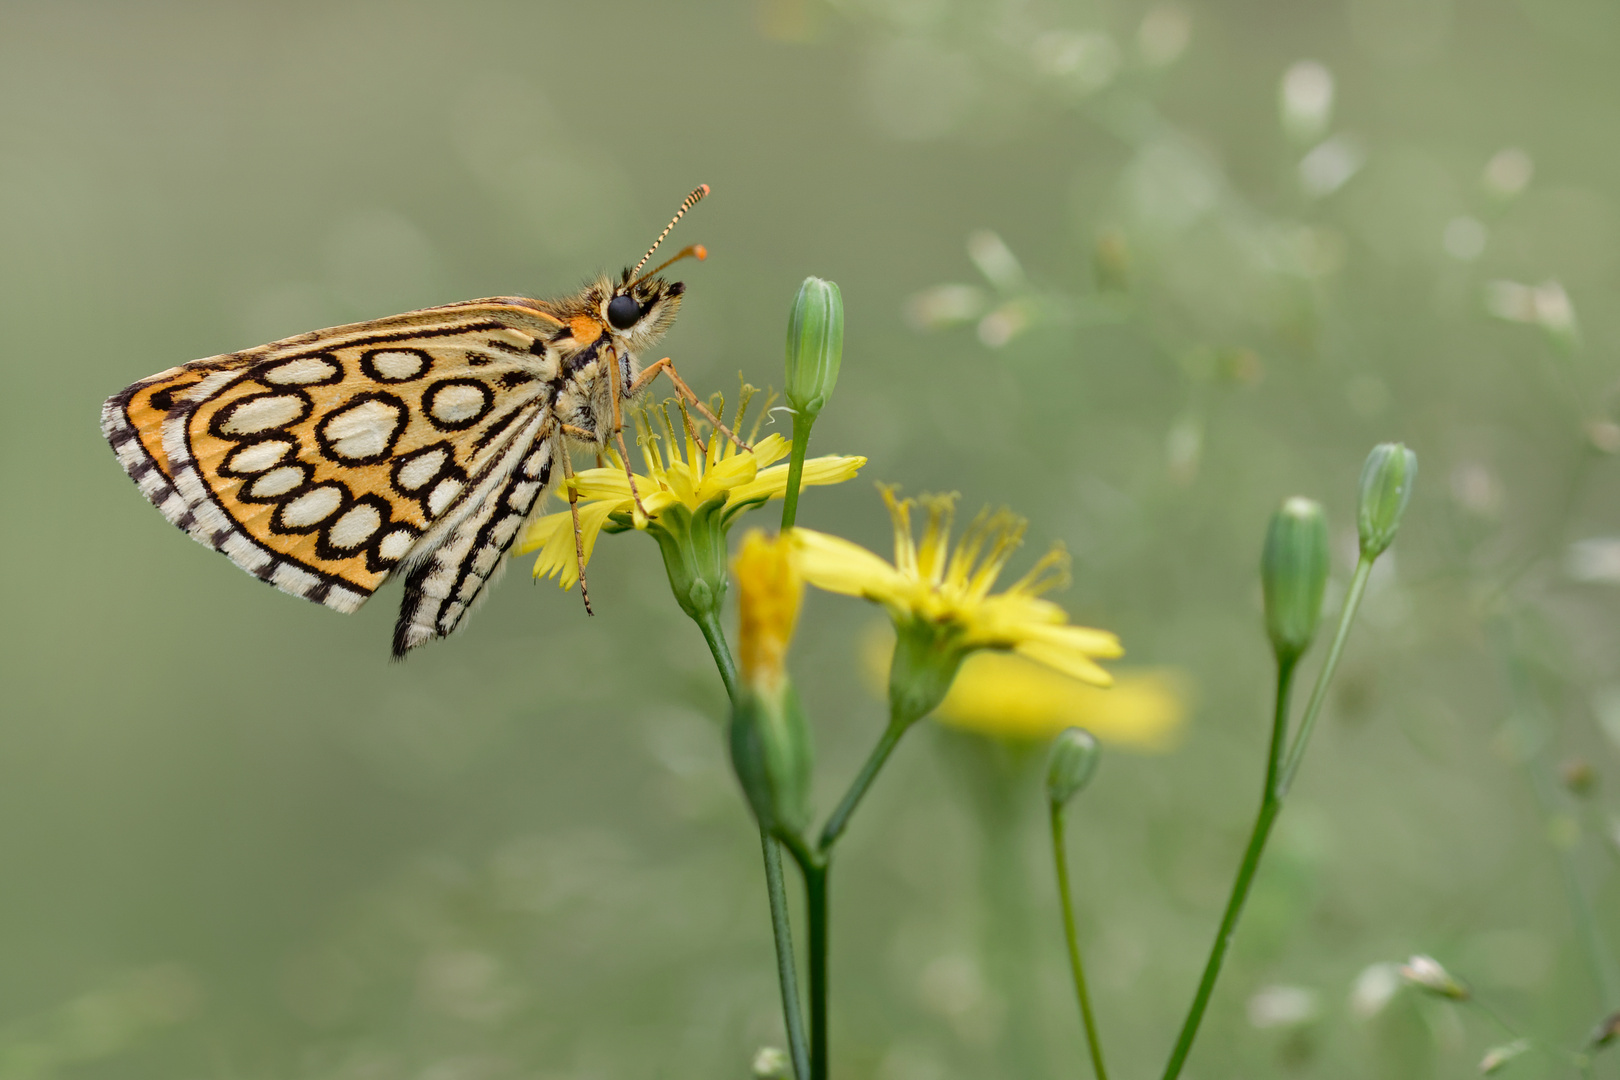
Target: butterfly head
637, 312
640, 307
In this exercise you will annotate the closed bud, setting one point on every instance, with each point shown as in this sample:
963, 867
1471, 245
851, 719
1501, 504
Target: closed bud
1386, 488
815, 346
770, 752
1073, 761
1426, 973
1293, 575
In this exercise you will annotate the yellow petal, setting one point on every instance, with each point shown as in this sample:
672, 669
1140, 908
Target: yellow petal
835, 565
605, 484
770, 449
1098, 643
772, 482
728, 473
1069, 661
558, 558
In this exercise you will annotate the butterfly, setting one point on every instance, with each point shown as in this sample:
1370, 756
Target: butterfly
417, 443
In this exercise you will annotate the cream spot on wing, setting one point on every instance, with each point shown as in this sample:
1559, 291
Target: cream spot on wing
363, 431
277, 482
399, 365
262, 413
501, 533
420, 469
548, 367
257, 457
522, 495
442, 496
458, 402
355, 527
396, 544
313, 507
485, 561
307, 369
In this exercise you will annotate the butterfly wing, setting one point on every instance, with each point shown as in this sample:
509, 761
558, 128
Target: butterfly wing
323, 462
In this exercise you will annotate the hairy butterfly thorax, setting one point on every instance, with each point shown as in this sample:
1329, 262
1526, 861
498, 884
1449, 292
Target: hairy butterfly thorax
418, 443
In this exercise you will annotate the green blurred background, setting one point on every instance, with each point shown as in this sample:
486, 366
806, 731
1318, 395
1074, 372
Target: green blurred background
1200, 273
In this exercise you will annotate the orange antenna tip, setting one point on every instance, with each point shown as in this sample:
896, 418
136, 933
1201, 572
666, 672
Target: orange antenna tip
686, 204
699, 252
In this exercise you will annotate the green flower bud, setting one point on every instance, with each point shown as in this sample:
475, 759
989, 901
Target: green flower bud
1386, 488
1074, 760
815, 346
1293, 574
770, 752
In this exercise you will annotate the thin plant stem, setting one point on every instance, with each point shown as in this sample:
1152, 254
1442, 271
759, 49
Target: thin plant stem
1313, 707
1280, 771
1060, 860
801, 446
1270, 804
839, 819
781, 928
787, 976
815, 890
709, 623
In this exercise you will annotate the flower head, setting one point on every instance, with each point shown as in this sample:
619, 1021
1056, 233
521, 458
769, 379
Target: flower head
941, 603
931, 582
683, 480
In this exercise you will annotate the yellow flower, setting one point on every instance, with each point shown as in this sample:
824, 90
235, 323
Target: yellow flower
768, 595
1008, 697
681, 479
947, 591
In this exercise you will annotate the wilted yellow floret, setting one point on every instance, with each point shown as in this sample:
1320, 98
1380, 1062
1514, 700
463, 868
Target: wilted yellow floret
950, 588
768, 593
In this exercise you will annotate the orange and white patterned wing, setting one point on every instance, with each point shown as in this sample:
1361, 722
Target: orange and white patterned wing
322, 462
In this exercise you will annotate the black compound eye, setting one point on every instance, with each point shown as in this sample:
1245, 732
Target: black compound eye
623, 311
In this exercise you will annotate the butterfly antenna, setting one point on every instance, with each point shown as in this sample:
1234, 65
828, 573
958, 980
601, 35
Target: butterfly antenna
686, 204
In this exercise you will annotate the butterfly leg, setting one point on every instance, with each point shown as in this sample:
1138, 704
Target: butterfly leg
618, 435
573, 508
666, 368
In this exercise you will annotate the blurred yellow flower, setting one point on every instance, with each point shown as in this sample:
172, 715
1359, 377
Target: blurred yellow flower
768, 594
680, 474
949, 590
1008, 697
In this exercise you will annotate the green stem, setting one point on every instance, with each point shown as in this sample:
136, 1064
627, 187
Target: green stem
1060, 860
815, 890
709, 623
781, 929
1352, 601
839, 819
801, 446
1270, 804
787, 976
